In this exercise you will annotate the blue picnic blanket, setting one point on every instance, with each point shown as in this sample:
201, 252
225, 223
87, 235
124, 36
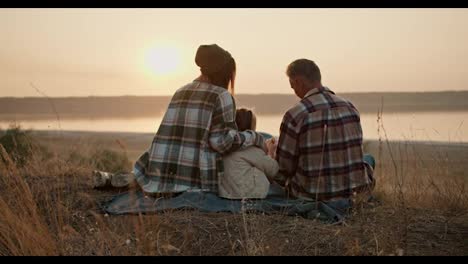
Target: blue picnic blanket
275, 202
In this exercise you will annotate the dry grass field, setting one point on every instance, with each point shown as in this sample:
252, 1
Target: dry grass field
48, 206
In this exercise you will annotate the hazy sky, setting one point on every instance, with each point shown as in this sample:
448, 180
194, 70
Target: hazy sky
82, 52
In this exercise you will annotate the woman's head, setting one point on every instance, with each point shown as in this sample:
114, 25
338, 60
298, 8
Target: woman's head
217, 65
245, 119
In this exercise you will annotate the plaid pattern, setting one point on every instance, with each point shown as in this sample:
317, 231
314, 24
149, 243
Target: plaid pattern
197, 129
320, 148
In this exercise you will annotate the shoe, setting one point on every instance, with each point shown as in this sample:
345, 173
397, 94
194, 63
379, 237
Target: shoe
101, 179
120, 180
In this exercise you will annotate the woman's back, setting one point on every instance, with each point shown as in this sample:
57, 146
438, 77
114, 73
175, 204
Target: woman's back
180, 157
197, 129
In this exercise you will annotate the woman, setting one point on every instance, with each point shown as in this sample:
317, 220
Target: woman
197, 129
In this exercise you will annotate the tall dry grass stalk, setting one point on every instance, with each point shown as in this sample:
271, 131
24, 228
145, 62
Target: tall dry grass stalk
420, 175
23, 229
51, 102
42, 204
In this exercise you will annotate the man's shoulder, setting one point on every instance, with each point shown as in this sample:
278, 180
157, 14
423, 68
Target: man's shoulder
295, 111
325, 100
315, 104
304, 106
294, 114
340, 99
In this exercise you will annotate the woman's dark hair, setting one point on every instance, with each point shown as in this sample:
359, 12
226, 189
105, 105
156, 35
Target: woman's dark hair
245, 119
225, 77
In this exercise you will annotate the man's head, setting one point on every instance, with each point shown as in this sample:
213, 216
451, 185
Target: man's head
304, 75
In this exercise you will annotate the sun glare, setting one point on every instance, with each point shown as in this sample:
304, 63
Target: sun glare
162, 60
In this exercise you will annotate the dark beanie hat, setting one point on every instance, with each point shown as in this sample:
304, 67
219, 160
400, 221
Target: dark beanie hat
211, 58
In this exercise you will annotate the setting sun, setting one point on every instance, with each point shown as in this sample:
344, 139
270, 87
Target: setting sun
162, 60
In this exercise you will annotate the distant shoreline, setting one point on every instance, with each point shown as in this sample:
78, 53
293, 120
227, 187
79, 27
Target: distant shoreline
149, 137
245, 94
34, 108
106, 116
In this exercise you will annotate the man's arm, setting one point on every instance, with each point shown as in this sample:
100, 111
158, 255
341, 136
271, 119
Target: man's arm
287, 152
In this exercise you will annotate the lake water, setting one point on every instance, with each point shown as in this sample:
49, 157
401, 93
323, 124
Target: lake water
419, 126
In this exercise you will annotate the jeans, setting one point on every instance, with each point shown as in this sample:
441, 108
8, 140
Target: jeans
369, 159
276, 190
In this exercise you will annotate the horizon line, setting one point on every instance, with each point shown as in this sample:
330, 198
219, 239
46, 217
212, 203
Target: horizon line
241, 94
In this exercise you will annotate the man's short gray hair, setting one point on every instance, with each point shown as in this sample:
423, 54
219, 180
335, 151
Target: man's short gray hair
306, 68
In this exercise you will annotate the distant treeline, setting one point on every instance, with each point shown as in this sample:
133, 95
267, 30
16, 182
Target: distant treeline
266, 104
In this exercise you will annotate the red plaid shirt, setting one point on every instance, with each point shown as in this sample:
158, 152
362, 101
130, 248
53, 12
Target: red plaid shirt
320, 148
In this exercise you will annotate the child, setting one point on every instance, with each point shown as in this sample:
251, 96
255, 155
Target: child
246, 170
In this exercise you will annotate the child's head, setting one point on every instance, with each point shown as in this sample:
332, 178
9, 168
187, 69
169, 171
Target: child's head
245, 119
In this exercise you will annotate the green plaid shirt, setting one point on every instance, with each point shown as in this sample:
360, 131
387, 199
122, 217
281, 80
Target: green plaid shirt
197, 129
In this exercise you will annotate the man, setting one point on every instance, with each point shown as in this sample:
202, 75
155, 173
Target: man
319, 149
